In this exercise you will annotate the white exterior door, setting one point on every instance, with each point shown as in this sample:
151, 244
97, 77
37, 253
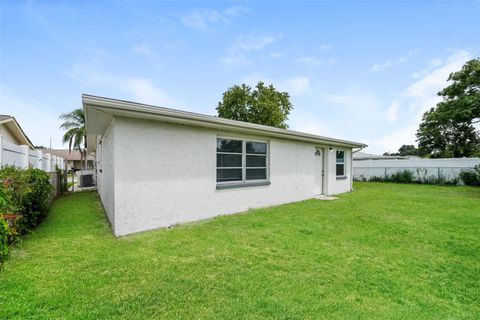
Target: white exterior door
318, 171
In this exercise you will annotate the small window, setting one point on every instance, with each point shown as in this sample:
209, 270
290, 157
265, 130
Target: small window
340, 163
229, 160
257, 147
224, 175
241, 161
227, 145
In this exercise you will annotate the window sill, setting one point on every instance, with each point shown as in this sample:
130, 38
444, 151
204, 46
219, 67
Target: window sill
341, 177
242, 185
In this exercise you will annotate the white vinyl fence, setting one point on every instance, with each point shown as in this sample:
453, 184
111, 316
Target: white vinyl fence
447, 169
22, 156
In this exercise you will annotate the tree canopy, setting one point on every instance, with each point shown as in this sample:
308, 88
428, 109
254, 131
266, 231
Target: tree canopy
262, 105
448, 129
405, 150
75, 132
462, 97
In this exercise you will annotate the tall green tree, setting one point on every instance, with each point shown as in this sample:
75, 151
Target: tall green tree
448, 129
441, 137
262, 105
75, 132
462, 96
408, 150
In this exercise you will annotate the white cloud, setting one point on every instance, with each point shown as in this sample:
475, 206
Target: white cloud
276, 55
147, 52
136, 88
436, 62
363, 115
238, 53
355, 100
432, 64
143, 50
203, 20
352, 122
236, 59
254, 42
311, 61
143, 90
325, 47
392, 112
296, 85
395, 139
427, 87
355, 113
39, 122
235, 11
386, 65
391, 63
311, 125
315, 61
417, 98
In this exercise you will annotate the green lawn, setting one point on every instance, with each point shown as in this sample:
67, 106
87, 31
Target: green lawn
385, 251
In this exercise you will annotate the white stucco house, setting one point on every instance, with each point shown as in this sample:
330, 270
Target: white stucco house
11, 132
157, 167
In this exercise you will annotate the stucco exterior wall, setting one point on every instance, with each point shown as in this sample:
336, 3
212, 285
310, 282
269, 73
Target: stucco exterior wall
166, 174
7, 135
338, 185
105, 157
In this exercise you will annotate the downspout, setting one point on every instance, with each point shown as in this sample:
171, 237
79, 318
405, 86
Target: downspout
358, 150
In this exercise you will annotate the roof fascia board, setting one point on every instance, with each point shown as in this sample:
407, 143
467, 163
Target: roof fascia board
17, 131
131, 109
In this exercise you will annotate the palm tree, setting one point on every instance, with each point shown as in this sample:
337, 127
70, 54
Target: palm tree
75, 134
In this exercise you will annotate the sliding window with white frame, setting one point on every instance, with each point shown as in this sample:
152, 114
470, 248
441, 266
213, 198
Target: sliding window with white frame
340, 163
241, 161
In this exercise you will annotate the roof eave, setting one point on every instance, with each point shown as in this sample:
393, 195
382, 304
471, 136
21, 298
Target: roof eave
113, 107
18, 131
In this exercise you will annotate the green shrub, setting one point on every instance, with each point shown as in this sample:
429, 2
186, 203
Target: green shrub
14, 182
407, 176
5, 198
441, 179
36, 201
378, 179
29, 191
471, 177
4, 236
404, 176
25, 192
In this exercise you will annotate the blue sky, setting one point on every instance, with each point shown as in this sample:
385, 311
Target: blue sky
364, 71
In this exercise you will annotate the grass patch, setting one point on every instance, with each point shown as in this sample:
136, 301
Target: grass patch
385, 251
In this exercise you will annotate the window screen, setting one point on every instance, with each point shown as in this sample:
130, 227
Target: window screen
241, 160
340, 163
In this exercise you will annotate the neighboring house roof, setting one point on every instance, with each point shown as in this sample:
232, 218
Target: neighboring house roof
370, 156
69, 156
13, 126
99, 112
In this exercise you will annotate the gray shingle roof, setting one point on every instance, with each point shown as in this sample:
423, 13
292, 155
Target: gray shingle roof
63, 153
